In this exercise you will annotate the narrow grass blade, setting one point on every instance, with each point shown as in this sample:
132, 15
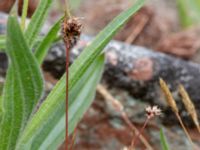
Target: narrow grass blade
163, 140
23, 87
43, 47
2, 42
86, 88
24, 14
37, 21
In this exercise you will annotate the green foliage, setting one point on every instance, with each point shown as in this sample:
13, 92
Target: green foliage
20, 128
23, 87
42, 49
90, 53
163, 140
24, 14
82, 93
189, 12
2, 42
45, 123
37, 21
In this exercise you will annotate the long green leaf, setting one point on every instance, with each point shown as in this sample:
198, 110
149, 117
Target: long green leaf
41, 118
24, 14
0, 108
2, 42
56, 98
37, 21
43, 47
102, 39
85, 87
46, 130
163, 140
23, 87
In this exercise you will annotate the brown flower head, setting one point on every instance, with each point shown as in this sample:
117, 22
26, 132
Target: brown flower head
71, 30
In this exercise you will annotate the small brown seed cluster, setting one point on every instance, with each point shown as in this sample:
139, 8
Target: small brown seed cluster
71, 30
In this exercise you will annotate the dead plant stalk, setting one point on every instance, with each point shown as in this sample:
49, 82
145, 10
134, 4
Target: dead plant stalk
189, 106
119, 108
172, 103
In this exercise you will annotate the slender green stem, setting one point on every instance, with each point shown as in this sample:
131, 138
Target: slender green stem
67, 10
24, 14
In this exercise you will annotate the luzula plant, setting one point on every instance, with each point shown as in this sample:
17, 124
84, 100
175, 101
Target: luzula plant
22, 126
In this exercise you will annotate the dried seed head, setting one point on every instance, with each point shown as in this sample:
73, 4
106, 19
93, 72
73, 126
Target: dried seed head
189, 105
71, 30
153, 111
170, 100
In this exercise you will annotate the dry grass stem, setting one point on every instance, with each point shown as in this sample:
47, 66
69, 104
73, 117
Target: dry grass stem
172, 103
138, 134
73, 139
170, 100
119, 108
189, 105
185, 130
107, 96
136, 131
137, 29
151, 112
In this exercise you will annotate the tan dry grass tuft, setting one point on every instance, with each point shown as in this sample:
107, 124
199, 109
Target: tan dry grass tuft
189, 105
172, 103
169, 98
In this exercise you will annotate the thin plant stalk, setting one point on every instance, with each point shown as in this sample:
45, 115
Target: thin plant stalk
24, 14
67, 94
151, 112
119, 108
135, 130
184, 128
73, 139
67, 46
67, 10
140, 132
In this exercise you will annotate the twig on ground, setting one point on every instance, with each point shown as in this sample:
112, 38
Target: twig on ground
137, 29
